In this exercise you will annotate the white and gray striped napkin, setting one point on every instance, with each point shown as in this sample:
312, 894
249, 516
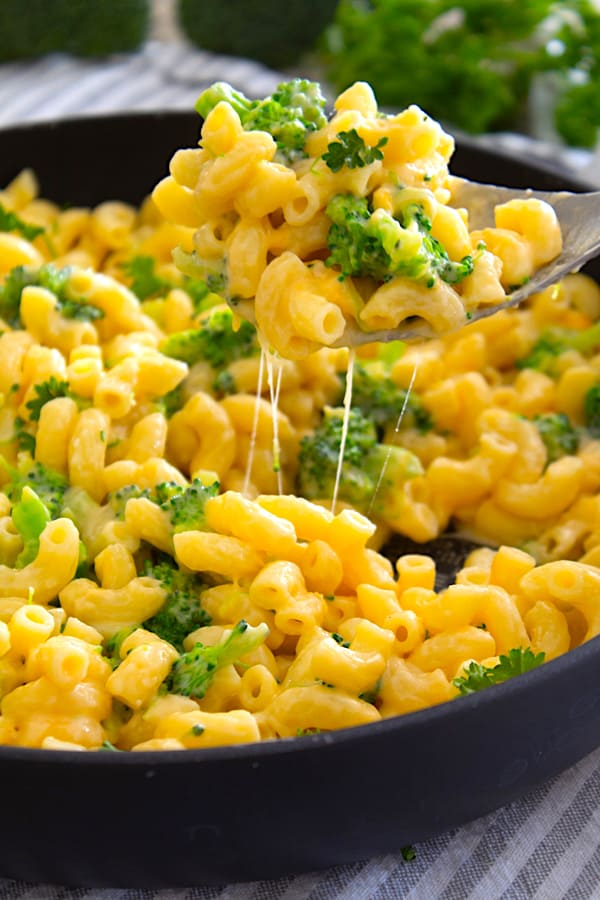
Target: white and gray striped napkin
545, 846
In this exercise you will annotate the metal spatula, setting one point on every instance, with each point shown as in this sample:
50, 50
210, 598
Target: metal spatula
579, 218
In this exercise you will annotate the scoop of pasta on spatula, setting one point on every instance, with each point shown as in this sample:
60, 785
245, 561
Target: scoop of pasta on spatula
349, 229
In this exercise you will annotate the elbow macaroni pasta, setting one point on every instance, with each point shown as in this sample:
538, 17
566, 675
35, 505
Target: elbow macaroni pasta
279, 226
352, 638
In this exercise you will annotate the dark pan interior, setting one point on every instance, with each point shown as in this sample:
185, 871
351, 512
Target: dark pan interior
260, 811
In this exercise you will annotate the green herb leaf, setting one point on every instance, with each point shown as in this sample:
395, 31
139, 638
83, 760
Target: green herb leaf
350, 150
46, 391
515, 662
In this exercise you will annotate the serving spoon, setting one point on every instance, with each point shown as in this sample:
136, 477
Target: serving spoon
579, 219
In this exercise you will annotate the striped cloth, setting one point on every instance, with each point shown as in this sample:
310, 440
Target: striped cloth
545, 846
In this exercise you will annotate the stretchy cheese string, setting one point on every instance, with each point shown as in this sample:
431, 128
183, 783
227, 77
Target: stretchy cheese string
274, 391
345, 421
252, 447
396, 430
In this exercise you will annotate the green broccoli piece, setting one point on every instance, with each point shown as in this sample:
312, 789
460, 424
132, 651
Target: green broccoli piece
215, 341
181, 612
171, 402
90, 519
30, 516
48, 485
516, 662
112, 645
290, 114
51, 278
554, 341
10, 221
118, 499
350, 150
591, 410
370, 469
143, 280
558, 435
192, 674
381, 246
197, 269
224, 384
204, 292
185, 505
381, 400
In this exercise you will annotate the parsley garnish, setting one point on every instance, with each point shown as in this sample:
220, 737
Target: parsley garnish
515, 662
350, 150
46, 391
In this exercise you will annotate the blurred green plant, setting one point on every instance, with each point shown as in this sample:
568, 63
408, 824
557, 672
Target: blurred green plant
257, 29
78, 27
472, 64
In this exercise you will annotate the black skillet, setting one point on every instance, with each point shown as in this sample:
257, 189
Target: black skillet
264, 810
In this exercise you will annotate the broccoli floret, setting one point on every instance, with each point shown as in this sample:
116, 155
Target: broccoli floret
290, 114
51, 278
591, 410
118, 499
185, 505
215, 341
365, 462
558, 435
205, 292
224, 384
90, 519
171, 402
379, 245
382, 401
48, 485
142, 278
182, 611
554, 341
192, 673
112, 645
30, 516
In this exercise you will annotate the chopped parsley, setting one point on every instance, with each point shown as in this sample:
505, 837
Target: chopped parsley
515, 662
350, 150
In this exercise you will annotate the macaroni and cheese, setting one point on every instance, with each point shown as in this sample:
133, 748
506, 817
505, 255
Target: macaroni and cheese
173, 571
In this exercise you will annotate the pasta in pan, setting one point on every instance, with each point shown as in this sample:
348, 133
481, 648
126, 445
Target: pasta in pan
174, 572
